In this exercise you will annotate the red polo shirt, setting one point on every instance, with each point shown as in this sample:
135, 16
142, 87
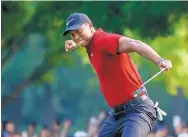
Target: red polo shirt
117, 74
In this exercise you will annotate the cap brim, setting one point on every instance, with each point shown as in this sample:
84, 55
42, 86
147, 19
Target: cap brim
74, 27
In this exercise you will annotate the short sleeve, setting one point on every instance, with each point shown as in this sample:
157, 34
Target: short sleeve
109, 42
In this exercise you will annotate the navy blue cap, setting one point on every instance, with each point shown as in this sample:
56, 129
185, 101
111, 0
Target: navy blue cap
75, 21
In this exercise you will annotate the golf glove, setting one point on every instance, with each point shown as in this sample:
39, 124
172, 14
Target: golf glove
160, 113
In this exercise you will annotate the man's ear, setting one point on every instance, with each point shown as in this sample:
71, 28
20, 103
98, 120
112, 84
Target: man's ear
90, 25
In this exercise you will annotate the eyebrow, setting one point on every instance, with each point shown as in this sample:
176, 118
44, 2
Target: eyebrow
76, 30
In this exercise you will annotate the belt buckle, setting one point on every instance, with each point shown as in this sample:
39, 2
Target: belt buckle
141, 92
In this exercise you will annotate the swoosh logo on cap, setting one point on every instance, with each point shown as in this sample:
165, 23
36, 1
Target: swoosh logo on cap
70, 21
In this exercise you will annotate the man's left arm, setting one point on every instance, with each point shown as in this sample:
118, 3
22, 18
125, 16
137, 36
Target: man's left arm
127, 45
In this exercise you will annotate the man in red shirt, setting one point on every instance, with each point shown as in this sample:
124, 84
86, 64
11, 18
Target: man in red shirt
118, 77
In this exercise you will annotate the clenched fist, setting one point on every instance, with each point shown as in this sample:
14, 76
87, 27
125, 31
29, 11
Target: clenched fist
69, 45
165, 64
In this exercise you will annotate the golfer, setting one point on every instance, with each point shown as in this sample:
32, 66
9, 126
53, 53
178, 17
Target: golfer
118, 77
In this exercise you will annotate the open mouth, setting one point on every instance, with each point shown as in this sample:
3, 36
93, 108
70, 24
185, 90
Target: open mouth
80, 41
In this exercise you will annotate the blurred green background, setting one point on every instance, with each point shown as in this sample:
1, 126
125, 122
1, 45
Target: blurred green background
40, 81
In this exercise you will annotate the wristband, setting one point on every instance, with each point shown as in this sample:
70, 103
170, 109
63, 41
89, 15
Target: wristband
160, 61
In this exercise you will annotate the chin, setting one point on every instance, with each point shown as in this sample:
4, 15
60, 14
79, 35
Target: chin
83, 44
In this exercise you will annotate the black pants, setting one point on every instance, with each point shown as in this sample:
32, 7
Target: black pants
136, 120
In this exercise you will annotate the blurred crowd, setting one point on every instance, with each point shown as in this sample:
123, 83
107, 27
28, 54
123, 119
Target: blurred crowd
61, 129
180, 128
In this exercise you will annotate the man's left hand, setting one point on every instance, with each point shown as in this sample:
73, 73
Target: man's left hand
165, 64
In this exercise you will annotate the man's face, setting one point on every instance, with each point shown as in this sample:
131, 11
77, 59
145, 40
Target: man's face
30, 128
10, 127
45, 133
55, 126
82, 36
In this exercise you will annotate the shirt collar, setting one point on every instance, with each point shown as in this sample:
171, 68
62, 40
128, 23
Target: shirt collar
98, 31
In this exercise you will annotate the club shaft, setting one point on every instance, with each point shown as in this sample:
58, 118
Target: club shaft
153, 77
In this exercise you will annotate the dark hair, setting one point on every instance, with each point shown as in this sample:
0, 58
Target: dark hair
45, 126
57, 122
33, 124
4, 123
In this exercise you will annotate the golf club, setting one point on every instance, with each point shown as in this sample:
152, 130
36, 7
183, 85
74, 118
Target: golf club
137, 92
